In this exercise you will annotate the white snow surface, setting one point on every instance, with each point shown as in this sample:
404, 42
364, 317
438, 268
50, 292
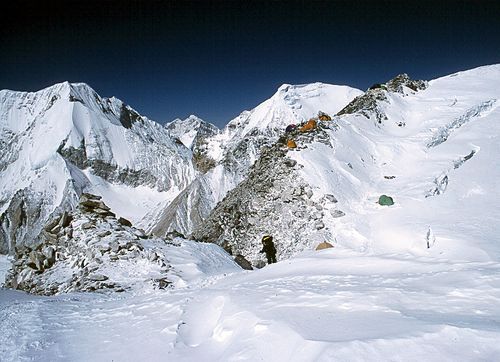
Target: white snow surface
333, 305
381, 294
451, 138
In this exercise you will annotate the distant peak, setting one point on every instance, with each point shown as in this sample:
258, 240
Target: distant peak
193, 117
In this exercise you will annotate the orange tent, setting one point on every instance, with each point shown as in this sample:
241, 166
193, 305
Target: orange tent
291, 144
309, 126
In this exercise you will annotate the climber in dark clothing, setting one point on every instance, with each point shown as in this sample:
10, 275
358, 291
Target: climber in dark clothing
269, 249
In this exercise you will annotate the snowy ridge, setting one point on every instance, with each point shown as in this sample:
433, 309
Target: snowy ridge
234, 150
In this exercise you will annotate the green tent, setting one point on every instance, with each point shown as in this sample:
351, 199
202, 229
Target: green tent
385, 200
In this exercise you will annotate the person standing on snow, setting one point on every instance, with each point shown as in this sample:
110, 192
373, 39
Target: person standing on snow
269, 249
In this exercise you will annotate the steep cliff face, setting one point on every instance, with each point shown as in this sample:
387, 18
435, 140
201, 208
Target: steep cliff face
65, 139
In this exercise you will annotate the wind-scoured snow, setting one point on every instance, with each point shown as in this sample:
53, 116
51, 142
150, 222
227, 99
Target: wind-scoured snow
333, 305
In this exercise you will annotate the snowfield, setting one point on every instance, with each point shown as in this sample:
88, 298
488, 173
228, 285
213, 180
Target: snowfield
415, 281
321, 306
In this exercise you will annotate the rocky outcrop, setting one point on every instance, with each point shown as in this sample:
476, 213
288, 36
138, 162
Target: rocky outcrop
89, 250
398, 83
369, 103
273, 200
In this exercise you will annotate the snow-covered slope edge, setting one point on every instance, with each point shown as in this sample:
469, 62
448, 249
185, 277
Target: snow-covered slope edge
90, 249
65, 139
424, 148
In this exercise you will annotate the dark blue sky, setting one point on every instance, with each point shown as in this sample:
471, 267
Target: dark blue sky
217, 58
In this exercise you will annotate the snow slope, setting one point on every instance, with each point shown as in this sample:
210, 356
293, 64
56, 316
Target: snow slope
434, 151
444, 160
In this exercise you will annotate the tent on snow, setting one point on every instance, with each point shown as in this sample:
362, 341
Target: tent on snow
309, 126
385, 200
324, 245
322, 116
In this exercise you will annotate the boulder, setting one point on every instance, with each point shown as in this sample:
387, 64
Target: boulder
243, 262
88, 225
162, 283
35, 260
337, 213
87, 196
65, 219
319, 225
51, 224
50, 255
124, 221
331, 198
98, 277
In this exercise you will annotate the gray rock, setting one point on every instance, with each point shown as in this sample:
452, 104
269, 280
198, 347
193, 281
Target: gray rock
50, 255
317, 215
104, 233
124, 221
65, 219
98, 277
162, 283
331, 198
243, 262
337, 213
35, 260
56, 230
88, 225
115, 246
319, 225
51, 224
86, 196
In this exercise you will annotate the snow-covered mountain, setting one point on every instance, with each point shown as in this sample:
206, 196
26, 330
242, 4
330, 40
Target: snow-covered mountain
191, 131
230, 152
418, 279
432, 148
65, 139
